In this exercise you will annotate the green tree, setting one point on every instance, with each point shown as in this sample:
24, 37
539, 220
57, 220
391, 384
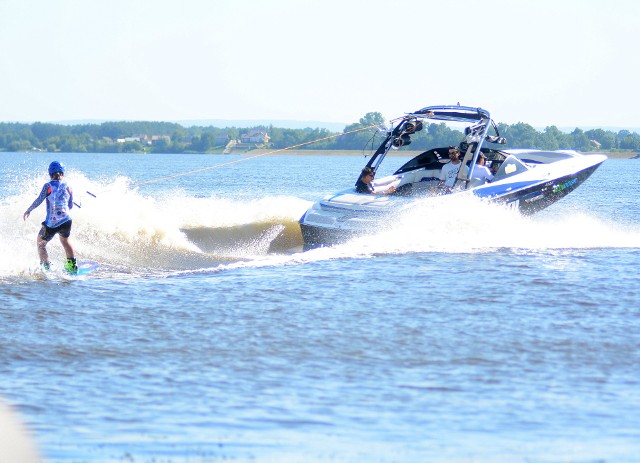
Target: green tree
441, 135
552, 139
580, 141
19, 145
285, 138
521, 135
161, 146
70, 144
132, 147
42, 131
607, 139
361, 138
207, 141
179, 135
630, 142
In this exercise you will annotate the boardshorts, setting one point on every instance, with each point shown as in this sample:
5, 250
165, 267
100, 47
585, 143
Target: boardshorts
46, 233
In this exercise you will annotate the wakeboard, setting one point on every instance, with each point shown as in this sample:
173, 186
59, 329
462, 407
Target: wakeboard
85, 268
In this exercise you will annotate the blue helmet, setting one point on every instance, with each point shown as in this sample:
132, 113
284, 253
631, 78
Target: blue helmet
54, 167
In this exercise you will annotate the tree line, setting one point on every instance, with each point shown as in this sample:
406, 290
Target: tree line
173, 138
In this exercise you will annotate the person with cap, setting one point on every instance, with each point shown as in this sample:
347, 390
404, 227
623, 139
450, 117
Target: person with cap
449, 172
480, 172
59, 197
363, 185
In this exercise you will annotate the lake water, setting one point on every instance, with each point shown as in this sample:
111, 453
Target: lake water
459, 333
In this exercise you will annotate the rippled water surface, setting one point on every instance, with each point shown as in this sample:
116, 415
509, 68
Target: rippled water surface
458, 333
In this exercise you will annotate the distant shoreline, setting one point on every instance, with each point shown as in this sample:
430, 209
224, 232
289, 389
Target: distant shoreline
614, 155
285, 152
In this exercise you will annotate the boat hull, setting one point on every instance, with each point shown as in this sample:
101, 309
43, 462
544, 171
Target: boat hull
314, 236
530, 200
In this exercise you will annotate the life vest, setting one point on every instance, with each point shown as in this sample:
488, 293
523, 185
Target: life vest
58, 199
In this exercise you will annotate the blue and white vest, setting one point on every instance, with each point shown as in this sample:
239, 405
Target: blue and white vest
58, 204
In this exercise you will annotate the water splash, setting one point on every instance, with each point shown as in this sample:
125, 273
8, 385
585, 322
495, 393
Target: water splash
133, 233
468, 224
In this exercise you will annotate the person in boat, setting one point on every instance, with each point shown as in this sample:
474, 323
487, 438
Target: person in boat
449, 172
480, 171
363, 185
59, 197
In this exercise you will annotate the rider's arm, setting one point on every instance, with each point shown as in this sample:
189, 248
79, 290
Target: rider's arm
46, 190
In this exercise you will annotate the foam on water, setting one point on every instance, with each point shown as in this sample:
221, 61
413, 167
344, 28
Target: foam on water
133, 232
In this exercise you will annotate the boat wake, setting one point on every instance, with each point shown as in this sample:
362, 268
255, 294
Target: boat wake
132, 234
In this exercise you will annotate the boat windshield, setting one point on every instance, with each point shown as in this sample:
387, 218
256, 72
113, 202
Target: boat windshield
511, 166
428, 160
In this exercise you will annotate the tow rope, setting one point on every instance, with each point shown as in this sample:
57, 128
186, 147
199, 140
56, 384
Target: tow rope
202, 169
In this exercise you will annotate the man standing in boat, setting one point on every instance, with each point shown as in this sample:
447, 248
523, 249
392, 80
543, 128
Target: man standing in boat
449, 172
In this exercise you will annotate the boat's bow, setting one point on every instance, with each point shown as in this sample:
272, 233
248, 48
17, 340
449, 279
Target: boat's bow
345, 215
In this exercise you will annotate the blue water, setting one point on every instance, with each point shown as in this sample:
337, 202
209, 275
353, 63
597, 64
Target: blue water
459, 332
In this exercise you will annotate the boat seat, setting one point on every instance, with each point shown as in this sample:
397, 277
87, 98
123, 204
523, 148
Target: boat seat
420, 175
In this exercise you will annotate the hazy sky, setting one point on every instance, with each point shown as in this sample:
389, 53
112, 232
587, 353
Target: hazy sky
572, 63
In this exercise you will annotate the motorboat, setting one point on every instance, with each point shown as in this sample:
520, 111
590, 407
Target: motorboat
526, 180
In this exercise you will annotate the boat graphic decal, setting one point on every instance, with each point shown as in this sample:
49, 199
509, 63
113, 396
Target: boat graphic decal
564, 186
